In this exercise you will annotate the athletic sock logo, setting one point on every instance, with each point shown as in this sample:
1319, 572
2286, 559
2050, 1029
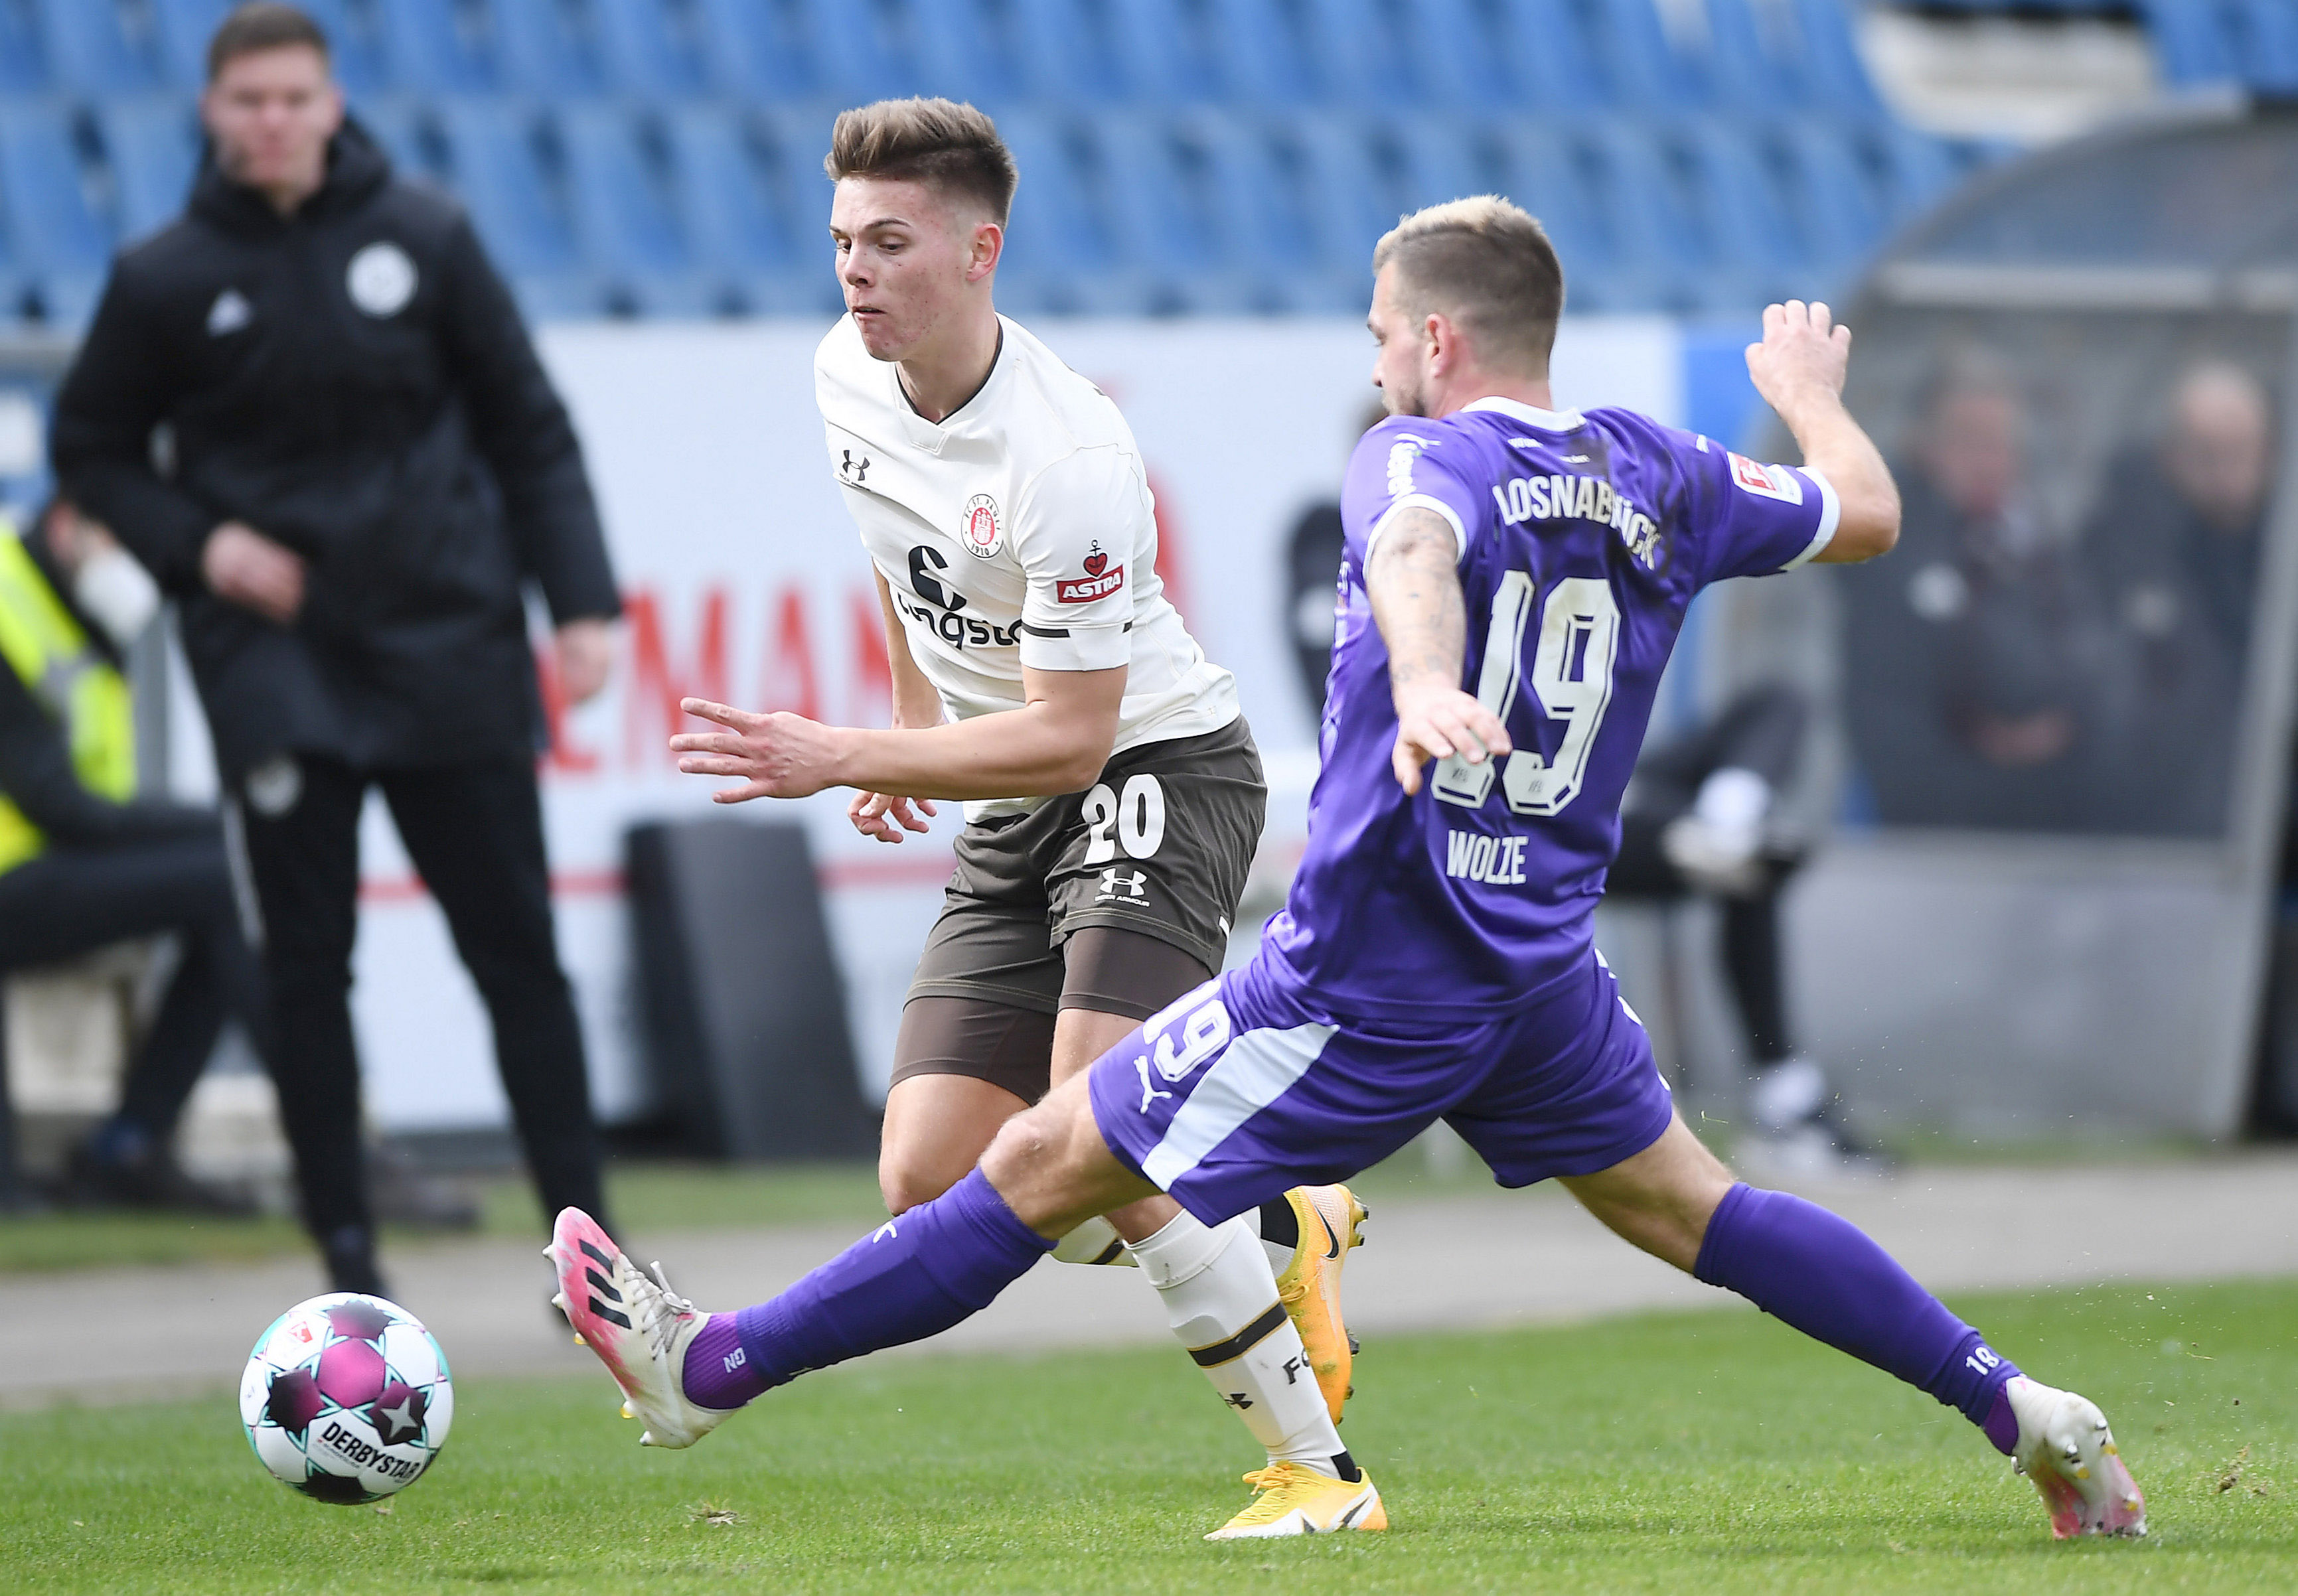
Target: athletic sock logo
735, 1359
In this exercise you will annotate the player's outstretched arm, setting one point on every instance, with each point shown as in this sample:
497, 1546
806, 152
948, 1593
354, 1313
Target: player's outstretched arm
1799, 368
1413, 578
1056, 742
884, 815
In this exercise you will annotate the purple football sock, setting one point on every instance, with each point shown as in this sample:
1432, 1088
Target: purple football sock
911, 1278
717, 1372
1801, 1264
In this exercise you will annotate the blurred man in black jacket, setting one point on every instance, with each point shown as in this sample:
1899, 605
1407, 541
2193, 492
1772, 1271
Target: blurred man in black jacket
363, 467
83, 864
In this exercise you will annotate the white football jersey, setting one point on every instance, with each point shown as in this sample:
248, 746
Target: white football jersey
1020, 531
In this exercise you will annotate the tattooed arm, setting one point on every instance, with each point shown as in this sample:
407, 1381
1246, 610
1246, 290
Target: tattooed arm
1414, 585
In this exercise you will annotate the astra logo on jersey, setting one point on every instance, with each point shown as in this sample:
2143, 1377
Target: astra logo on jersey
1101, 579
1494, 860
1582, 498
938, 614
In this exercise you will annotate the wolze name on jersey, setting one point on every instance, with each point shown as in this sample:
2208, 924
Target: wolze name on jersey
1581, 498
953, 627
1473, 856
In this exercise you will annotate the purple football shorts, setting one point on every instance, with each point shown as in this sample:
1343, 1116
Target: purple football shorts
1239, 1091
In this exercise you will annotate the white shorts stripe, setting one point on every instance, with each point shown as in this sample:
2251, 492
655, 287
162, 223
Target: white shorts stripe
1251, 1074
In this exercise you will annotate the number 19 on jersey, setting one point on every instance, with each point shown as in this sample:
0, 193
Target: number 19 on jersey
1571, 679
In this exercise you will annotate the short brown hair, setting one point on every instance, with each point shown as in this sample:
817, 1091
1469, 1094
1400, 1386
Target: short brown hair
935, 142
261, 25
1488, 264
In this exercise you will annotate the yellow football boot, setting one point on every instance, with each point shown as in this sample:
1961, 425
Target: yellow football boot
1332, 1222
1295, 1500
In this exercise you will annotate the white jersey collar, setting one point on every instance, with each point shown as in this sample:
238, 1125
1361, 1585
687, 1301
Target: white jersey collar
930, 435
1532, 416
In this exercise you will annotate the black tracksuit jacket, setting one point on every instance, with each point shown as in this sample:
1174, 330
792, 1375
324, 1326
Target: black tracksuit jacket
354, 382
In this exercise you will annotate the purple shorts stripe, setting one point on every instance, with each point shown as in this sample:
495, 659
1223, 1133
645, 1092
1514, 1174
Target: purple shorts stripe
1238, 1090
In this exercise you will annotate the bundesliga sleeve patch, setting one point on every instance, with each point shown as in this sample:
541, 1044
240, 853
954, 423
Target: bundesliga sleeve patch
1101, 579
1766, 481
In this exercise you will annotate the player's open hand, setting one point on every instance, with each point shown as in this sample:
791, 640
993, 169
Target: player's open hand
1434, 722
1804, 355
884, 815
779, 755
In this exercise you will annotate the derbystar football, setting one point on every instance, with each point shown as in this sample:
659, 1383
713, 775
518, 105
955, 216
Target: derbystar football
346, 1398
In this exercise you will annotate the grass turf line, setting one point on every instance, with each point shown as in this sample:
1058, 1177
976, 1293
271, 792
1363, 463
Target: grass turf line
1717, 1452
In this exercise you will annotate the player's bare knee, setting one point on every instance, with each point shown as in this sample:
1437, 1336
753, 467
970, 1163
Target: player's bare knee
904, 1185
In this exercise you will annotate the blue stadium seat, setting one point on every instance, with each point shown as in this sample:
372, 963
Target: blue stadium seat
1464, 55
1438, 158
868, 49
1758, 236
656, 48
1173, 52
972, 50
1552, 58
618, 188
399, 124
23, 57
1836, 70
552, 49
354, 45
56, 233
1275, 54
2190, 41
734, 201
2263, 37
1064, 247
357, 43
1665, 257
762, 50
1351, 195
1170, 217
53, 225
1546, 169
152, 147
1756, 70
501, 162
184, 26
444, 47
1917, 169
1647, 71
1840, 198
1071, 52
98, 46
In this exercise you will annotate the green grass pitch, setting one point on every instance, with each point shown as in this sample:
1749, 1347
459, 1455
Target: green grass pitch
1706, 1453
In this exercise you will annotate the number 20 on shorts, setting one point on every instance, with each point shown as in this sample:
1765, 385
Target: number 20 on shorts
1138, 815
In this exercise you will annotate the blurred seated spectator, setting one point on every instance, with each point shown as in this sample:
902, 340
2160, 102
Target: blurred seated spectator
2174, 544
1697, 822
84, 863
1970, 657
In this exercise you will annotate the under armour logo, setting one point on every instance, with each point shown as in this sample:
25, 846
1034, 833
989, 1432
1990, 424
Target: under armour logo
1237, 1400
1116, 887
851, 470
1295, 1368
883, 1231
1149, 1092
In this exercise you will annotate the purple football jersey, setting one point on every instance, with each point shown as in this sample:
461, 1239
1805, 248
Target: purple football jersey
1583, 538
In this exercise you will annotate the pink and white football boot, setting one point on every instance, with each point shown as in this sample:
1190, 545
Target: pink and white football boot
2066, 1449
639, 1328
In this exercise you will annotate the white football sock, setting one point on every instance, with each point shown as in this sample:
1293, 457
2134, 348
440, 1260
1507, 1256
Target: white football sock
1221, 1299
1095, 1241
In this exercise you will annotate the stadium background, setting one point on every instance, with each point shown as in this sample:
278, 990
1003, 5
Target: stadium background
1202, 180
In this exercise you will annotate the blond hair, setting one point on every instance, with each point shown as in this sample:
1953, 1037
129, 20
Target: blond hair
1488, 264
940, 142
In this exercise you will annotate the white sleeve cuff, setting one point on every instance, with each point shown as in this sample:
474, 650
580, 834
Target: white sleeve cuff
1831, 511
1420, 501
1076, 647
